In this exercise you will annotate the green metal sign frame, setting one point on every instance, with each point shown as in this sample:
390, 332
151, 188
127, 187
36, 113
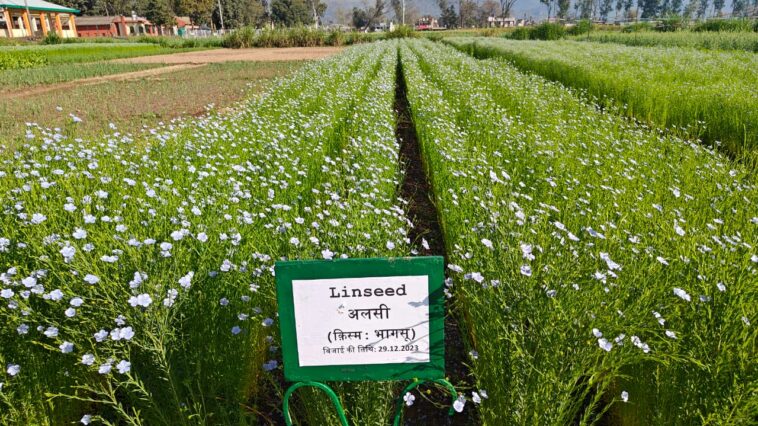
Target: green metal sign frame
433, 267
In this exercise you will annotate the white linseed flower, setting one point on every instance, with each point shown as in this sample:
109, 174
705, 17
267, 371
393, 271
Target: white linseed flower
124, 366
682, 294
409, 398
13, 369
88, 359
66, 347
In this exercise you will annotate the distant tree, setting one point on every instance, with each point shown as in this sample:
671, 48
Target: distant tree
605, 9
104, 7
619, 5
563, 8
676, 7
630, 15
290, 13
364, 18
739, 7
240, 13
467, 13
628, 9
360, 18
412, 13
665, 8
448, 18
650, 8
585, 8
159, 12
200, 11
718, 6
702, 8
486, 9
505, 7
397, 8
690, 9
318, 8
549, 4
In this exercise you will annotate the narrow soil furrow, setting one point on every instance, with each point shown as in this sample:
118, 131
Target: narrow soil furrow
431, 408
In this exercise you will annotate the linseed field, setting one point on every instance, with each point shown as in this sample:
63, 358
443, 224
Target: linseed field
601, 249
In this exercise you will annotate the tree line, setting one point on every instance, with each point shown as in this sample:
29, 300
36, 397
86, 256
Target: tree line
468, 13
235, 13
453, 13
475, 13
650, 9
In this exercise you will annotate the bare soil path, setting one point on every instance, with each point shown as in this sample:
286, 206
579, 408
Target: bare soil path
226, 55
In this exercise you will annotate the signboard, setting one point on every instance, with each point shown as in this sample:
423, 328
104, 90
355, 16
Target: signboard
362, 319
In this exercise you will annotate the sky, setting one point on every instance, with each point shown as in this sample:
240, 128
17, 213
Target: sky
529, 8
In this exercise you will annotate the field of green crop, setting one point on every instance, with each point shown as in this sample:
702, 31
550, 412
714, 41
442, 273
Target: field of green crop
57, 54
29, 65
600, 272
706, 94
600, 268
137, 276
703, 40
14, 79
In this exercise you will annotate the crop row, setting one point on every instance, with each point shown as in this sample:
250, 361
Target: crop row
137, 275
708, 94
747, 41
601, 270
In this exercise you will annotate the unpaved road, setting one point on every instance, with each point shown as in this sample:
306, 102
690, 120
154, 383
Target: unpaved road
226, 55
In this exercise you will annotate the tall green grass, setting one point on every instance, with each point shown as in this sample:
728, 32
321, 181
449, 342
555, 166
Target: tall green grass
294, 37
14, 79
706, 94
747, 41
603, 273
83, 52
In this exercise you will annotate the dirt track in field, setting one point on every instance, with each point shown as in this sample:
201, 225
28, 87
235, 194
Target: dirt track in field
37, 90
226, 55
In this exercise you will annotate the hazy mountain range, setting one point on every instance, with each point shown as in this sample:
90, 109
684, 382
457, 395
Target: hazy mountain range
522, 8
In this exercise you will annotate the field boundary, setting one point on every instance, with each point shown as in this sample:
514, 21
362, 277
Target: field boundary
38, 90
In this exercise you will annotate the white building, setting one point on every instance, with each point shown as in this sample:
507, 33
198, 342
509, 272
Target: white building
35, 18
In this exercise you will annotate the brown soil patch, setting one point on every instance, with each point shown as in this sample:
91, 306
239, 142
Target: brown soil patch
138, 104
227, 55
96, 80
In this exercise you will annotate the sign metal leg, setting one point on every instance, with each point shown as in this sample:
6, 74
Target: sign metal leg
411, 386
318, 385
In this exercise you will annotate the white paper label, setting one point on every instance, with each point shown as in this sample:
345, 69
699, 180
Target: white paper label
354, 321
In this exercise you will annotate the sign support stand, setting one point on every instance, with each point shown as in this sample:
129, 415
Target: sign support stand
341, 411
318, 385
415, 384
